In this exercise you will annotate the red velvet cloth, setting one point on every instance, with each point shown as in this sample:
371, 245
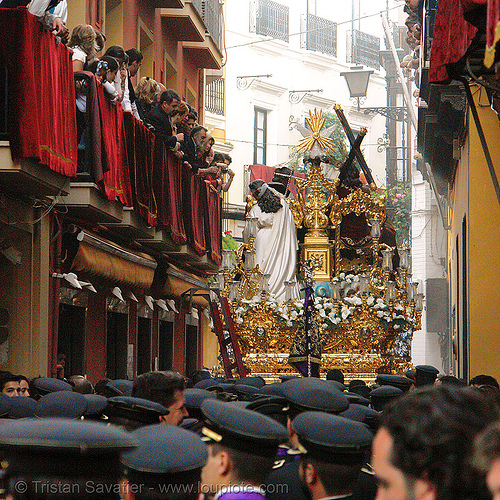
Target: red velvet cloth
492, 31
140, 156
199, 205
452, 37
266, 174
116, 176
213, 229
42, 118
172, 170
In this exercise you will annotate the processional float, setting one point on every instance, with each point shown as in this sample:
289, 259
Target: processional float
359, 307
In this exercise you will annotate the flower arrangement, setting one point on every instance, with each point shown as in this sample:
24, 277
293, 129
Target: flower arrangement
332, 315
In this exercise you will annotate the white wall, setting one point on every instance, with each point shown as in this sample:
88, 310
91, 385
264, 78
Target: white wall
294, 68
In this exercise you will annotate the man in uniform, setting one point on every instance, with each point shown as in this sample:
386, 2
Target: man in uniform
333, 453
166, 464
242, 446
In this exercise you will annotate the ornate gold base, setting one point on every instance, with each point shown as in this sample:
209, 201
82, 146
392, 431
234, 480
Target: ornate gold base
318, 250
362, 366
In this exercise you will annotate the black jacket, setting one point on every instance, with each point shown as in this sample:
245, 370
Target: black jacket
162, 127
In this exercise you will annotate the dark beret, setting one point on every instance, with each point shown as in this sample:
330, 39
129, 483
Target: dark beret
241, 429
331, 438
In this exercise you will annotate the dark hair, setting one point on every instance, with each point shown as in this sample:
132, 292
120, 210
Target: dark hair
198, 129
484, 380
22, 377
111, 62
451, 380
159, 387
6, 377
335, 478
349, 176
175, 486
117, 52
228, 159
247, 468
169, 95
269, 202
100, 386
81, 385
433, 430
335, 374
133, 55
218, 158
487, 447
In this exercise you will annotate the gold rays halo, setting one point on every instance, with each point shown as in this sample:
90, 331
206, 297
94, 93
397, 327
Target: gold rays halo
316, 122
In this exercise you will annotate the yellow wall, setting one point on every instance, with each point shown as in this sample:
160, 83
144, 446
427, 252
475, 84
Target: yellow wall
483, 225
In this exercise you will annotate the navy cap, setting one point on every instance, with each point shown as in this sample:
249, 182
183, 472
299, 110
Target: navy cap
62, 404
96, 405
194, 398
311, 393
410, 374
121, 387
272, 406
383, 395
207, 383
361, 413
63, 448
5, 404
286, 378
165, 449
246, 392
403, 383
137, 410
275, 389
339, 385
332, 439
362, 390
253, 381
22, 407
425, 375
241, 429
355, 382
46, 385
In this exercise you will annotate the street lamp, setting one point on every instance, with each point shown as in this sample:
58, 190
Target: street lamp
357, 81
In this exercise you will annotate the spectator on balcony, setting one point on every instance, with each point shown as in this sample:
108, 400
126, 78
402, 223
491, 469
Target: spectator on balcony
106, 70
40, 9
134, 63
145, 95
160, 118
119, 54
216, 182
191, 147
83, 45
178, 118
187, 126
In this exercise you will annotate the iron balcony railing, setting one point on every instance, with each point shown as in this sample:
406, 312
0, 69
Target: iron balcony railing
272, 19
321, 35
214, 96
363, 48
211, 13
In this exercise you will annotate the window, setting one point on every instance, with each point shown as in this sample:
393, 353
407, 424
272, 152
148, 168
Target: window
363, 48
214, 96
321, 35
260, 137
272, 20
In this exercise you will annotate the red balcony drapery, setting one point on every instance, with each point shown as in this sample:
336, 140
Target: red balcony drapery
42, 123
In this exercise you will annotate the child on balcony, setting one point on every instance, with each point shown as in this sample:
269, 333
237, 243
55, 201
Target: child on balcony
105, 71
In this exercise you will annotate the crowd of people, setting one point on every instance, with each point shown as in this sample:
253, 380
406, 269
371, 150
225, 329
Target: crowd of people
172, 120
417, 436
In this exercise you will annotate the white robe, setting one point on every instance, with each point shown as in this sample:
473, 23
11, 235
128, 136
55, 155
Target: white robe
276, 248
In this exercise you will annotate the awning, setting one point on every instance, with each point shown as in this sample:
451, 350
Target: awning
105, 259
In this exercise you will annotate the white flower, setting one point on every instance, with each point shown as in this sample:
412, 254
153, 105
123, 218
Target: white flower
322, 313
345, 313
239, 321
336, 321
396, 327
370, 300
380, 301
293, 315
399, 307
289, 323
318, 306
380, 314
324, 325
332, 316
342, 276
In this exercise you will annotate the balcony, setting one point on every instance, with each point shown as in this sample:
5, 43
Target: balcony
133, 189
198, 24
